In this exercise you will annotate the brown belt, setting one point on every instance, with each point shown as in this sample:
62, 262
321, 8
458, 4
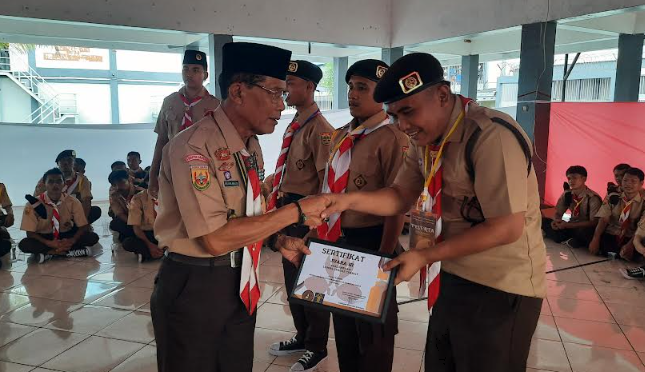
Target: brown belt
232, 259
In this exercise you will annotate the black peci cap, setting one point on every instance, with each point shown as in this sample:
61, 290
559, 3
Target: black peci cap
255, 59
305, 70
66, 154
195, 57
407, 76
372, 69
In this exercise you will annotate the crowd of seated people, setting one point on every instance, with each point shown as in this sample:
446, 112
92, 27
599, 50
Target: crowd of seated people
613, 226
58, 216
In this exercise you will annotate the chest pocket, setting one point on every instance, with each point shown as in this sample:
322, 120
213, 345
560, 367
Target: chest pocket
364, 172
300, 155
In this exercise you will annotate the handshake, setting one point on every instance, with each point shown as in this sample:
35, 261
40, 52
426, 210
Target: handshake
316, 210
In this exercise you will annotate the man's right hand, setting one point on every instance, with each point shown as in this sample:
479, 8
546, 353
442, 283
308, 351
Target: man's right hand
313, 207
155, 251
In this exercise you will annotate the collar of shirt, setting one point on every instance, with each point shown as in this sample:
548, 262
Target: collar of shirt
231, 136
203, 92
305, 114
458, 134
636, 199
373, 121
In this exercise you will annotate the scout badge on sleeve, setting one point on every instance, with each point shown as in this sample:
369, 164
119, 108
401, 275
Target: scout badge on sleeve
200, 176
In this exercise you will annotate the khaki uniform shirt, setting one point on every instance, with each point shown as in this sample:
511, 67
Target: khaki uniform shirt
142, 211
70, 211
635, 215
120, 204
5, 202
308, 155
589, 206
82, 191
200, 185
172, 112
375, 162
502, 188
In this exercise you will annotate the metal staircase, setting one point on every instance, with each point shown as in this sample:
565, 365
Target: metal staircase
49, 109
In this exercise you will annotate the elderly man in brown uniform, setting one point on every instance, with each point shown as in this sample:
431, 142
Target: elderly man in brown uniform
487, 213
6, 220
211, 219
76, 185
182, 109
366, 155
299, 173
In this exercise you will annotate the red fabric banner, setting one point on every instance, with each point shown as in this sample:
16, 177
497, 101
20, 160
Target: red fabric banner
597, 136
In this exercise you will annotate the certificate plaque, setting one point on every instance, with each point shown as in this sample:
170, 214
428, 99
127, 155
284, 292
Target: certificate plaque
344, 280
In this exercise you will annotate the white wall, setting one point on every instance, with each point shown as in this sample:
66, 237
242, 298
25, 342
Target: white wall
92, 101
416, 21
138, 102
34, 148
360, 22
15, 103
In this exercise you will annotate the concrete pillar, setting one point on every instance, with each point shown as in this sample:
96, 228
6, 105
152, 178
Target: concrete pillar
340, 86
31, 60
628, 67
469, 75
114, 88
534, 90
389, 55
215, 45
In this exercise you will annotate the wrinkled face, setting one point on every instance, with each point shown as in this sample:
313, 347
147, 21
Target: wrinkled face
123, 185
631, 184
618, 176
423, 116
54, 186
360, 95
134, 162
261, 104
576, 181
66, 164
299, 90
193, 75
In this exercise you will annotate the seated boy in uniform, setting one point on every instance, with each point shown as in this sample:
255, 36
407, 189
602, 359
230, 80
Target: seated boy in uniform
614, 189
6, 220
639, 245
62, 230
137, 174
121, 193
583, 203
141, 218
617, 223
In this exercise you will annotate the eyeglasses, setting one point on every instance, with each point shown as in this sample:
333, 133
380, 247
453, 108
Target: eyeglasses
276, 95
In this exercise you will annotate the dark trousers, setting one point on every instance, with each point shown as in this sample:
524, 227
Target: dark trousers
5, 241
125, 231
33, 246
365, 346
475, 328
200, 322
137, 246
312, 325
580, 237
95, 214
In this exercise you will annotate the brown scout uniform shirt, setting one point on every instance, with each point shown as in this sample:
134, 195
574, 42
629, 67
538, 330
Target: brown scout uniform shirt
172, 112
70, 211
120, 204
502, 188
188, 211
376, 160
5, 202
142, 211
635, 215
82, 191
589, 206
308, 155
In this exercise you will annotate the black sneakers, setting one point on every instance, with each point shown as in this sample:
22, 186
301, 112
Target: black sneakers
309, 361
287, 347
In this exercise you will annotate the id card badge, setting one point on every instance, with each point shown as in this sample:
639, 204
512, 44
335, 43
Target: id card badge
422, 229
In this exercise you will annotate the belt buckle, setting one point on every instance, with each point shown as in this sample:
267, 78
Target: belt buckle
233, 260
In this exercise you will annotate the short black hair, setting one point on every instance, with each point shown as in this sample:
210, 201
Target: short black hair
134, 153
622, 167
118, 175
636, 172
80, 162
117, 164
577, 169
225, 81
53, 171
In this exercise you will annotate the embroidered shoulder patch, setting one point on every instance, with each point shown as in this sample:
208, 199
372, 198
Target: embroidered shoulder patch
325, 138
196, 157
200, 176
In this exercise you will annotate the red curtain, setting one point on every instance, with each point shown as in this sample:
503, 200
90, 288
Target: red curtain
597, 136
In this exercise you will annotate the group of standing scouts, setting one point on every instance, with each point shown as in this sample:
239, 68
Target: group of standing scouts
411, 144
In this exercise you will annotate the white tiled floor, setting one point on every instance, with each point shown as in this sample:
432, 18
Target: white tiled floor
93, 314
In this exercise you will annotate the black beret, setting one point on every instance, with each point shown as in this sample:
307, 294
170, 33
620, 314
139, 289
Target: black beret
372, 69
255, 59
409, 75
66, 154
195, 57
305, 70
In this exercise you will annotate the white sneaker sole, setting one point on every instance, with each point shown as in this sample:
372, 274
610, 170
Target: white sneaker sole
312, 369
285, 353
626, 276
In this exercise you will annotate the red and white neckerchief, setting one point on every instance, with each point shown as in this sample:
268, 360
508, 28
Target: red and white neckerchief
44, 198
281, 165
71, 184
187, 119
577, 200
623, 220
430, 201
337, 176
250, 280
